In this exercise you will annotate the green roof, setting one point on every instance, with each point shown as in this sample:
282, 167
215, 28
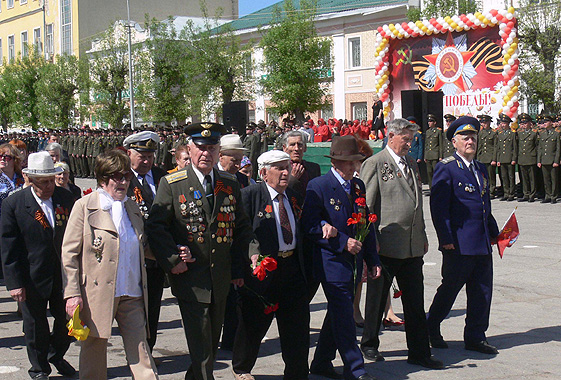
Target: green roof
265, 16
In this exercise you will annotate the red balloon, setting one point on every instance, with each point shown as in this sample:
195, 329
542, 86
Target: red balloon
516, 104
494, 12
510, 24
380, 29
511, 73
384, 97
513, 109
509, 113
499, 17
507, 30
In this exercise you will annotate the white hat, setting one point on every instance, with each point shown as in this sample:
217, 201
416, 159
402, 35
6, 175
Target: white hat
231, 142
272, 157
41, 165
145, 141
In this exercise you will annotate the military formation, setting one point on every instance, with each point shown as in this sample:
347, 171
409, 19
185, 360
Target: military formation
527, 146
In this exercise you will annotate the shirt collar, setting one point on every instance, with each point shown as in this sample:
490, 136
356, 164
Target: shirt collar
338, 176
468, 163
395, 157
147, 175
201, 176
272, 192
105, 200
39, 200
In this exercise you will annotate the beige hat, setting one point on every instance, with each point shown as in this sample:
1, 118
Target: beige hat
231, 142
41, 165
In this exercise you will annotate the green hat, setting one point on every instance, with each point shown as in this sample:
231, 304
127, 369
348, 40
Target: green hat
484, 118
205, 133
431, 117
504, 118
449, 117
524, 118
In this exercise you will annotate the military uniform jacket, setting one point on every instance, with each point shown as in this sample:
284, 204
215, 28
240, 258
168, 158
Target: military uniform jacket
549, 147
447, 146
417, 150
218, 239
486, 142
461, 209
81, 146
527, 148
507, 147
433, 146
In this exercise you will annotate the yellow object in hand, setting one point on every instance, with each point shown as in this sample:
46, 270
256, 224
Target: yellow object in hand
75, 326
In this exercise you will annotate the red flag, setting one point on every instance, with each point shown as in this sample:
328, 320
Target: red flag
509, 234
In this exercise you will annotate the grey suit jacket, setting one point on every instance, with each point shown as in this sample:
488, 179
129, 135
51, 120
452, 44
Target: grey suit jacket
400, 228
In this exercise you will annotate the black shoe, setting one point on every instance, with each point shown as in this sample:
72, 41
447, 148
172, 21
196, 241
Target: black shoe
432, 362
553, 201
503, 199
523, 200
373, 354
40, 376
531, 200
483, 347
366, 376
328, 372
492, 196
437, 342
546, 200
64, 368
510, 199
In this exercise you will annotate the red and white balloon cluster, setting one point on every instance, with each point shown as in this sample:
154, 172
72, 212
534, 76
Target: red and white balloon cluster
509, 41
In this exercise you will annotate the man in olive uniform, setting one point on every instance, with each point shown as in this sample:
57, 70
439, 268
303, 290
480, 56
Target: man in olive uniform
90, 142
98, 146
252, 144
433, 146
549, 151
507, 153
527, 157
81, 153
486, 154
71, 144
198, 212
447, 146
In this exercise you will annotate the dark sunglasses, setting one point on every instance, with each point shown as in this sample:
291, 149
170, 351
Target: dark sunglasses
6, 157
118, 176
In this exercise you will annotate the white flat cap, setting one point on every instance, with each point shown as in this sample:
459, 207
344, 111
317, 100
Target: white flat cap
272, 157
145, 141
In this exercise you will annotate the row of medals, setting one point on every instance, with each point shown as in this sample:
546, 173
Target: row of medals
142, 206
193, 211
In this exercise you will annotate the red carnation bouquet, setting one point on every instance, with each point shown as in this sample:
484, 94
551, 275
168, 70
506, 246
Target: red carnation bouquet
360, 220
265, 264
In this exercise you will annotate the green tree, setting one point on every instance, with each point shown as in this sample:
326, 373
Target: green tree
109, 72
7, 98
442, 8
60, 88
296, 60
540, 49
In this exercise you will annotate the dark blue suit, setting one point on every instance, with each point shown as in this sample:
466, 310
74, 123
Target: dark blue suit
337, 269
461, 214
417, 147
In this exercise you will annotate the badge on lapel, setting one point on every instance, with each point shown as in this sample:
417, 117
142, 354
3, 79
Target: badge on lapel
96, 244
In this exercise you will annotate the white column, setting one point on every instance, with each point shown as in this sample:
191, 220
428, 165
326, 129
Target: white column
259, 99
339, 76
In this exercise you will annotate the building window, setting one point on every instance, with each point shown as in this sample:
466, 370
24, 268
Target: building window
24, 49
37, 40
49, 41
9, 4
247, 65
354, 52
327, 112
359, 111
252, 115
66, 26
21, 2
11, 48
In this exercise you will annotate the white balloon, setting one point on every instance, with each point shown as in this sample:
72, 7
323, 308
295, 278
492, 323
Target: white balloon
511, 83
384, 86
506, 67
509, 16
494, 20
511, 61
509, 104
477, 22
502, 25
514, 98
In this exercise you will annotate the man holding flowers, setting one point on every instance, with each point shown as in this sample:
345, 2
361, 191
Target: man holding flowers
393, 192
335, 219
274, 273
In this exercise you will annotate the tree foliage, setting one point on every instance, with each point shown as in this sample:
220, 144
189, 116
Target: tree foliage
62, 88
296, 61
442, 8
540, 47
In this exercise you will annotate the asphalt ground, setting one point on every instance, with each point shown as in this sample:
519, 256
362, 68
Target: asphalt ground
525, 319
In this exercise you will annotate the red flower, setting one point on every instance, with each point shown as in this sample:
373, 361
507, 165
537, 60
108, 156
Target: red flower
397, 294
351, 221
269, 264
361, 202
87, 191
260, 272
372, 218
271, 308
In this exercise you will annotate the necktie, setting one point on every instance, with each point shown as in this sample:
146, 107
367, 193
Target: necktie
209, 192
149, 197
472, 170
407, 173
347, 186
285, 223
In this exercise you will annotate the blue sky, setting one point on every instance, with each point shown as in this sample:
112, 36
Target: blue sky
249, 6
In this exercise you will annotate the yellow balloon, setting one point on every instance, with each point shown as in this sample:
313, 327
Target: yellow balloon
514, 89
506, 58
510, 51
510, 9
504, 103
386, 114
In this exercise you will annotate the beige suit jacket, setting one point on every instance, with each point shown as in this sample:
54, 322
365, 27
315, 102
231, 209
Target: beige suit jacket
83, 275
400, 228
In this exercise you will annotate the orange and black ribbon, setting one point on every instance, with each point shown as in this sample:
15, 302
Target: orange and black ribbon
40, 217
138, 195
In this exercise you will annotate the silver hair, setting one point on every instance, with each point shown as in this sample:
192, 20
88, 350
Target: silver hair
294, 133
261, 167
63, 165
398, 126
54, 146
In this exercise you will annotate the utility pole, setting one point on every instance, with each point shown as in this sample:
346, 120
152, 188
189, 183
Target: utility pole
131, 85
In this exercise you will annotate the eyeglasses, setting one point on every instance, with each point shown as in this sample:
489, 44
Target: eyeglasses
118, 177
6, 157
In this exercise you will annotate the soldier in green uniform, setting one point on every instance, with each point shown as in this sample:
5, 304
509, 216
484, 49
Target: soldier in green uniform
81, 153
447, 146
506, 153
549, 151
98, 146
527, 157
90, 142
433, 146
197, 211
486, 154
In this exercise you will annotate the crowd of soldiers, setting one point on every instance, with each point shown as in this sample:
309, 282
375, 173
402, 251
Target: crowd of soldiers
531, 147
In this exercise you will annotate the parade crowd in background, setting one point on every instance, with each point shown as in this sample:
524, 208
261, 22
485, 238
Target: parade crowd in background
244, 230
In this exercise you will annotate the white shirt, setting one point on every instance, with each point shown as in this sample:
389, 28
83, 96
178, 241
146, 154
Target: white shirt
148, 176
282, 245
468, 164
397, 159
201, 177
47, 207
129, 278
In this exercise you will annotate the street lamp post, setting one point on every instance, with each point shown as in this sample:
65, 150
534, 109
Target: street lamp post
131, 95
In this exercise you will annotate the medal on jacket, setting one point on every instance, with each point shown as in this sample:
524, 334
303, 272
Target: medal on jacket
96, 244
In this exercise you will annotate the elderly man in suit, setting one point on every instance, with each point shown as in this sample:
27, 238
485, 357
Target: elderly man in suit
275, 212
461, 214
33, 224
141, 148
198, 211
337, 256
302, 171
394, 193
